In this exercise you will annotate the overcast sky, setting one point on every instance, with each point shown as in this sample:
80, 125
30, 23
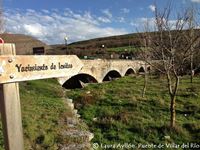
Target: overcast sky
52, 20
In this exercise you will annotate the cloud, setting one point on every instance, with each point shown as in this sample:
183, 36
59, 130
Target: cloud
121, 19
45, 11
107, 13
152, 8
30, 10
33, 29
139, 23
104, 19
51, 26
125, 10
195, 1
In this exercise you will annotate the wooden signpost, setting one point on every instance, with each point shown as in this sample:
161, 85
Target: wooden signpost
15, 68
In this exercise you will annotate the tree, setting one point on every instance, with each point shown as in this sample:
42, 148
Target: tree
192, 38
144, 52
170, 48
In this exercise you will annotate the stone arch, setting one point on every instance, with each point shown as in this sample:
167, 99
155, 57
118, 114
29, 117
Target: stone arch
78, 81
148, 68
111, 75
130, 71
141, 70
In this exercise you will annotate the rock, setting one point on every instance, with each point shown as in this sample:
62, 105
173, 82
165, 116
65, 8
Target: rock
71, 105
84, 146
75, 111
94, 119
71, 121
75, 137
88, 92
90, 136
81, 135
70, 100
78, 116
167, 137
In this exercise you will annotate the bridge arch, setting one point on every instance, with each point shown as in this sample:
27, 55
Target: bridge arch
148, 68
130, 71
141, 70
79, 80
112, 74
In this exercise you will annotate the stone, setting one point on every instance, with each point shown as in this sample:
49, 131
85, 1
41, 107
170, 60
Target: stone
69, 100
167, 137
71, 105
75, 111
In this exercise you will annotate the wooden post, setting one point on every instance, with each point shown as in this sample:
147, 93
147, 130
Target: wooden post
10, 108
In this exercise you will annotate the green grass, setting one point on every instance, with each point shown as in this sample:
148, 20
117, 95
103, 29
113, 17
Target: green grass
123, 49
116, 113
42, 108
43, 111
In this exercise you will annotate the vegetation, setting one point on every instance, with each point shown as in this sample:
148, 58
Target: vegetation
123, 49
116, 112
165, 46
44, 114
42, 108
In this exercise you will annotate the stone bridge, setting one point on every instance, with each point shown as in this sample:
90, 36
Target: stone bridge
100, 70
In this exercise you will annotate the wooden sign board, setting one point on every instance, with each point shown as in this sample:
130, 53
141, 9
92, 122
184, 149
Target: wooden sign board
23, 68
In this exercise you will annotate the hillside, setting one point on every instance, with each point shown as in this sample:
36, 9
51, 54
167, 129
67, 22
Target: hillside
104, 47
114, 111
48, 119
117, 114
112, 41
24, 43
97, 46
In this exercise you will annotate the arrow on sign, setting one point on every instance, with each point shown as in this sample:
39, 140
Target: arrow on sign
24, 68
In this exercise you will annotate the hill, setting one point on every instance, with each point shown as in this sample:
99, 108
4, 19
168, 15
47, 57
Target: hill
99, 47
109, 42
24, 43
117, 114
106, 46
114, 111
48, 120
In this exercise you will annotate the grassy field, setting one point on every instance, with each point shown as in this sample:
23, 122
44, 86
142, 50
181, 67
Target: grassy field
123, 49
116, 113
44, 113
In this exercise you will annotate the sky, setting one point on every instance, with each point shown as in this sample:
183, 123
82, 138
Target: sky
52, 20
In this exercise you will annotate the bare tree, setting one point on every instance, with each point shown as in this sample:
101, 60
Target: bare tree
144, 52
191, 37
170, 48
